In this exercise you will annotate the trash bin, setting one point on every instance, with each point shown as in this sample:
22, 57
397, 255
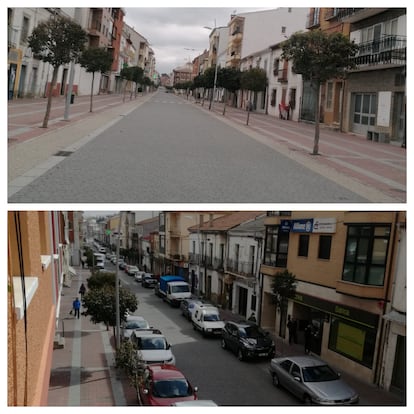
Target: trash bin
72, 98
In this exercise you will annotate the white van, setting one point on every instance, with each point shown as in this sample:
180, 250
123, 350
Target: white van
206, 319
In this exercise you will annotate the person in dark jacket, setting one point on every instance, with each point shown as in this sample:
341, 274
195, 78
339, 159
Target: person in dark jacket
82, 290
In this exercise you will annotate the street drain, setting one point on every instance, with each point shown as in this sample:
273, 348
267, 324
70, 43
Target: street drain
63, 153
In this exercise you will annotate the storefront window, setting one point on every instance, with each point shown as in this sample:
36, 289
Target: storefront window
352, 340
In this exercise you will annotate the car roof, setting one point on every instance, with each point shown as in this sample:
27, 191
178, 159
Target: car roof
165, 371
193, 403
156, 333
134, 318
306, 360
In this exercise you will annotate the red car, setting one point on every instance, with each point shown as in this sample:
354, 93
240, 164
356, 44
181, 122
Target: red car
164, 385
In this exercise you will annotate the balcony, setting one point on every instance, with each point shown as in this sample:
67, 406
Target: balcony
388, 50
240, 268
352, 15
282, 75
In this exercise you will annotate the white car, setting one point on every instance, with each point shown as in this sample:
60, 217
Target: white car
138, 276
100, 265
206, 319
132, 323
153, 347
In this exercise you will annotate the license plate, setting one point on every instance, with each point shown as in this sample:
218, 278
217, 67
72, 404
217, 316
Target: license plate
262, 354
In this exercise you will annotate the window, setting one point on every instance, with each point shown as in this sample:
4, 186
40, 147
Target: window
303, 245
283, 30
162, 243
276, 247
366, 254
25, 29
365, 109
329, 95
292, 98
355, 341
325, 247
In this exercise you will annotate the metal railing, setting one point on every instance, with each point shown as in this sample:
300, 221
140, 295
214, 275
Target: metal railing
386, 50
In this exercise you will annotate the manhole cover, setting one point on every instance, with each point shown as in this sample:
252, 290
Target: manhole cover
63, 153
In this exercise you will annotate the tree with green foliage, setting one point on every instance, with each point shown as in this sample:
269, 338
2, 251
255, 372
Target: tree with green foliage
129, 359
95, 59
253, 80
283, 288
229, 79
131, 74
100, 304
319, 56
57, 41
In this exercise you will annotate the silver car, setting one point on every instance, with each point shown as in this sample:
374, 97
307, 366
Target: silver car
312, 380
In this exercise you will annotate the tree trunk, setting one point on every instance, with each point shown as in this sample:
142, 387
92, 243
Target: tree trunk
225, 99
91, 98
317, 115
49, 98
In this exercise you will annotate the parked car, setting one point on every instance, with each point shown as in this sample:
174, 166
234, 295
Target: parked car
163, 385
153, 347
100, 265
148, 280
311, 380
247, 340
132, 323
131, 270
138, 276
187, 306
121, 265
206, 319
195, 403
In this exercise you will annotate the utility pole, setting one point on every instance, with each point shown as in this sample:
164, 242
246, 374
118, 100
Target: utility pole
117, 313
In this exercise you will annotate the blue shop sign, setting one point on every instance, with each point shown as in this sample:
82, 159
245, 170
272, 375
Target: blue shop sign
285, 226
302, 226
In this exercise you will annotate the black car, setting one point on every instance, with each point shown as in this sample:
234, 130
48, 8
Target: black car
247, 340
148, 280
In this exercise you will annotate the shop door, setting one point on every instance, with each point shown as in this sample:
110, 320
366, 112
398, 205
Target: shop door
398, 381
364, 112
307, 112
242, 301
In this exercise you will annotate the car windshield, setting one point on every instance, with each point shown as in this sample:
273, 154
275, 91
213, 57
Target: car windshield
152, 343
171, 388
211, 317
251, 332
319, 374
135, 325
179, 289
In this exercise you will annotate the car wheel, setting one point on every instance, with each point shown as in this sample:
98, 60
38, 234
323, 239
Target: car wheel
240, 354
275, 380
223, 343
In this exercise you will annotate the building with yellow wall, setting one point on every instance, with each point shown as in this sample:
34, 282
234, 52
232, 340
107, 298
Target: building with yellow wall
38, 264
345, 265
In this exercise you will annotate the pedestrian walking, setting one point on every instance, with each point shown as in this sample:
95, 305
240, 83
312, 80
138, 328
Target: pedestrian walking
76, 307
308, 338
82, 290
292, 328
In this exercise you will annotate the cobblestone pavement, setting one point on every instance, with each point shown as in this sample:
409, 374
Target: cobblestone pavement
377, 169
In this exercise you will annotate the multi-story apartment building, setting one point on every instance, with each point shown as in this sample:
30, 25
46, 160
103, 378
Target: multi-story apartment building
172, 257
210, 258
29, 77
372, 99
144, 235
38, 267
345, 264
242, 267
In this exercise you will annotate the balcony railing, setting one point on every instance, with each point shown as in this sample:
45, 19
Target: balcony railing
340, 13
386, 50
242, 268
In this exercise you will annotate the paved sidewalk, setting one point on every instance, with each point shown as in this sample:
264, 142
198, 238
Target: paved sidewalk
83, 371
376, 171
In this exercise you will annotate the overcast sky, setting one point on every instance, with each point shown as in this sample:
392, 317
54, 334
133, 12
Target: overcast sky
176, 34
